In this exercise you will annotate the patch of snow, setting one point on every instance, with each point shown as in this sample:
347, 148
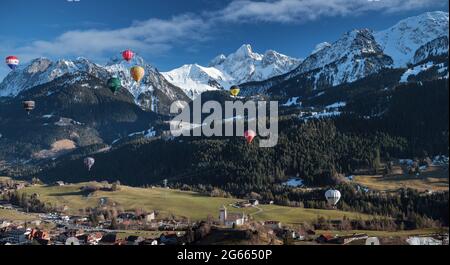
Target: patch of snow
336, 105
415, 71
47, 116
294, 182
292, 102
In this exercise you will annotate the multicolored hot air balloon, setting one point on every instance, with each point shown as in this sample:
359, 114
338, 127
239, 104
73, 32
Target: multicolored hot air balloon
234, 91
89, 162
114, 84
128, 55
12, 62
249, 136
333, 196
29, 105
137, 72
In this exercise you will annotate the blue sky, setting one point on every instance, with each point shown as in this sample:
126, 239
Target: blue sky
171, 33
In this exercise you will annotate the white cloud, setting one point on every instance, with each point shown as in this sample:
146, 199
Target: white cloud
289, 11
153, 37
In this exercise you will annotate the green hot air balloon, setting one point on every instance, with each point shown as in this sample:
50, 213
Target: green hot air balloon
114, 84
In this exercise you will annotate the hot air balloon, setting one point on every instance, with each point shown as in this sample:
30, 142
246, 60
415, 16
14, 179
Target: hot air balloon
12, 62
29, 105
234, 91
128, 55
89, 162
249, 136
333, 196
137, 72
114, 84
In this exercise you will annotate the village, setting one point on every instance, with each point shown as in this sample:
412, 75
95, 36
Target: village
231, 223
146, 228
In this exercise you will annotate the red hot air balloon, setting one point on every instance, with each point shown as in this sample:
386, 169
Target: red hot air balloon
128, 55
249, 136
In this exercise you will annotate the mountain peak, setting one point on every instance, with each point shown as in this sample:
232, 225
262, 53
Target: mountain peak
240, 67
320, 46
217, 60
403, 39
244, 50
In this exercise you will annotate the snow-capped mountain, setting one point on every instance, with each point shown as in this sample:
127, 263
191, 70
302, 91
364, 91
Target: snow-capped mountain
240, 67
244, 65
153, 89
40, 71
195, 79
402, 40
360, 53
354, 56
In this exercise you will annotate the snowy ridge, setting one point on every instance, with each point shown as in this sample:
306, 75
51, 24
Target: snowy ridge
240, 67
245, 65
402, 40
360, 53
435, 47
195, 79
42, 70
354, 56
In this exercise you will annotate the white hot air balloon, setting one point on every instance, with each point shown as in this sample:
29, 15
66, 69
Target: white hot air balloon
333, 196
89, 162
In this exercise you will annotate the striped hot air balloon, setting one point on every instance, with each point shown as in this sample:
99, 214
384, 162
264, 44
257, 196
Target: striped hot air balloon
29, 105
333, 196
128, 55
12, 62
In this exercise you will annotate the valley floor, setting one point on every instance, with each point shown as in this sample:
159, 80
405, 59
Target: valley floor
169, 202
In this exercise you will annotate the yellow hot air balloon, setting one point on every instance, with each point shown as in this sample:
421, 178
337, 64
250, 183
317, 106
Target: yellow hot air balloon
234, 91
137, 72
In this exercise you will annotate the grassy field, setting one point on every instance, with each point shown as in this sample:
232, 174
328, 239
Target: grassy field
434, 179
13, 215
405, 233
174, 202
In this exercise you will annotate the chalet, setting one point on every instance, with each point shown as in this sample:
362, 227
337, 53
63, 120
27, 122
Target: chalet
59, 183
38, 234
19, 186
4, 224
254, 202
150, 217
94, 238
324, 238
273, 224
